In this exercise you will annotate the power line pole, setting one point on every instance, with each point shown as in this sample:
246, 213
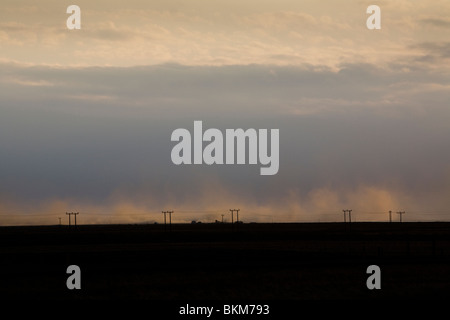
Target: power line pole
390, 216
237, 216
72, 213
349, 215
400, 213
164, 219
75, 214
170, 219
69, 214
222, 218
232, 218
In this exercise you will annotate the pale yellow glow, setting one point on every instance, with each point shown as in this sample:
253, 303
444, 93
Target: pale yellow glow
218, 32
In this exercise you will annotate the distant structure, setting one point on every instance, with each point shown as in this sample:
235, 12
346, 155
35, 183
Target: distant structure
390, 216
170, 220
72, 213
237, 215
401, 213
232, 218
349, 215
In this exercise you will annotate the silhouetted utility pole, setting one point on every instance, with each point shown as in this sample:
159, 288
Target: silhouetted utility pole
232, 219
69, 214
170, 219
222, 217
390, 216
72, 213
400, 213
165, 220
237, 216
349, 215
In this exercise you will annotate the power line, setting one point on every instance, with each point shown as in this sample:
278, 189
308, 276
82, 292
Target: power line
72, 213
349, 215
186, 215
170, 219
401, 213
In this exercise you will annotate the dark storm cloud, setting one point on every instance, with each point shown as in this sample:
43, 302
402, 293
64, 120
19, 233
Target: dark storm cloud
89, 133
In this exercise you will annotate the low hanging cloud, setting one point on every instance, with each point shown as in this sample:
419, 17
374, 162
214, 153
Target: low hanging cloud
97, 141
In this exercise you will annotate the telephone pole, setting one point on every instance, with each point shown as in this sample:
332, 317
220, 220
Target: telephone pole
237, 216
165, 219
222, 218
72, 213
170, 220
69, 214
400, 213
390, 216
349, 215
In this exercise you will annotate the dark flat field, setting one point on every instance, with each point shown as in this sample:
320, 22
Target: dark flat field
216, 262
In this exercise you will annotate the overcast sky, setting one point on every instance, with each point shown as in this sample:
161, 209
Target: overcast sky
86, 115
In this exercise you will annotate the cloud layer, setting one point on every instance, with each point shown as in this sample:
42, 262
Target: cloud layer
284, 32
363, 137
87, 115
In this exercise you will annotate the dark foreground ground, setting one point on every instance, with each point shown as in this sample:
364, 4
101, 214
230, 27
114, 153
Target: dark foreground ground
253, 262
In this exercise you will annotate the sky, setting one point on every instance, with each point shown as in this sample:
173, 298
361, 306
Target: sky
86, 116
